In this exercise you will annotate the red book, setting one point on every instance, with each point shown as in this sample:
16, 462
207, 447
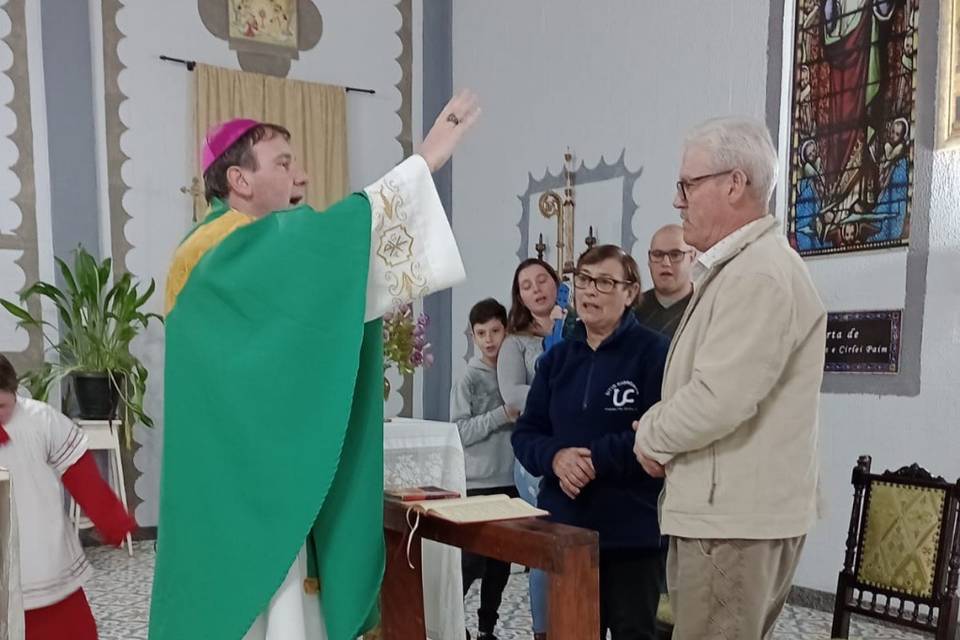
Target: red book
413, 494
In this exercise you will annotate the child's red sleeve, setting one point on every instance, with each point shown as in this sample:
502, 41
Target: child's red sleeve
98, 501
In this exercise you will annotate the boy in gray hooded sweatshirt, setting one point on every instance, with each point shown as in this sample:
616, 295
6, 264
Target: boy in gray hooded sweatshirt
485, 425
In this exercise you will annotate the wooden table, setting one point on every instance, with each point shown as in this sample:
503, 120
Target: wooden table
11, 594
568, 554
424, 452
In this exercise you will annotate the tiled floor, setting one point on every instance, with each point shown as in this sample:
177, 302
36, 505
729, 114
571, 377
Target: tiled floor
119, 592
795, 623
120, 596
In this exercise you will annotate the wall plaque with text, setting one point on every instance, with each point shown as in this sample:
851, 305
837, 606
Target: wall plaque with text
863, 341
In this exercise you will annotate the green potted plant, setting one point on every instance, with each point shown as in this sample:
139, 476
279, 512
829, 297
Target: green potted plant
97, 323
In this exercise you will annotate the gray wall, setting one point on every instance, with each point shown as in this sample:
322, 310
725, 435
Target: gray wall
68, 83
437, 88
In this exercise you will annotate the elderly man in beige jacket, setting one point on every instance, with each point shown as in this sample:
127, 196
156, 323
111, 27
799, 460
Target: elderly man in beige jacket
736, 431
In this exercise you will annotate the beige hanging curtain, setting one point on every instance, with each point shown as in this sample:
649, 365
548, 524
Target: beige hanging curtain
315, 114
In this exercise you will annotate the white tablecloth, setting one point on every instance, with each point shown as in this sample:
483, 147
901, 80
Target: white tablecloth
422, 452
11, 597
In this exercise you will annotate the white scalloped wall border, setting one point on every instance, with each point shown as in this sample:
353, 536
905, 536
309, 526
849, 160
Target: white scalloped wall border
404, 85
114, 98
146, 459
23, 238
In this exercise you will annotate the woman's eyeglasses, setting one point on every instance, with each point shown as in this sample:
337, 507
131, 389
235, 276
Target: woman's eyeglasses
604, 284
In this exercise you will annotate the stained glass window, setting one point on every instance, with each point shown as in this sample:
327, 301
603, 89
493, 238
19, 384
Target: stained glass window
852, 125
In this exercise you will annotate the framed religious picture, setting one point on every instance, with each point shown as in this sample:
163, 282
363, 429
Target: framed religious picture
948, 94
263, 26
852, 127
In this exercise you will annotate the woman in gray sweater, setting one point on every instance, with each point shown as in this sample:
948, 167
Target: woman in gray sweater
534, 297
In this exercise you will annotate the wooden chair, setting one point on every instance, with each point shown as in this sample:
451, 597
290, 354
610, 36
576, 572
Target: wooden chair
903, 552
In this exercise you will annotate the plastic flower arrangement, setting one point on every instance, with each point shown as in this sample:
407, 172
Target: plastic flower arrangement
405, 340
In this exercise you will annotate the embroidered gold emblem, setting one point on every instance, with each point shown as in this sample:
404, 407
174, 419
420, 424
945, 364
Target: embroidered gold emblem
396, 246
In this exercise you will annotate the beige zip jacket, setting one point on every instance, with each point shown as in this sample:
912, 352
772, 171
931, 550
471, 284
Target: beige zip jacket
737, 429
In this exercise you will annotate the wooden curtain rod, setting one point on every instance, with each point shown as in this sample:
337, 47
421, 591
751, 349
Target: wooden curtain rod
191, 65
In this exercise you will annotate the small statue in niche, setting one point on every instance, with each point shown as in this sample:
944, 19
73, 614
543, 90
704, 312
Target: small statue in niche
266, 34
268, 21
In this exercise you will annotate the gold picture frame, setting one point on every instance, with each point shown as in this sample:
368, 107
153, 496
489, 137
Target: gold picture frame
948, 85
266, 24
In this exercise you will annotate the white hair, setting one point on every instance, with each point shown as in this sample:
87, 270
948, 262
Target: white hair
736, 142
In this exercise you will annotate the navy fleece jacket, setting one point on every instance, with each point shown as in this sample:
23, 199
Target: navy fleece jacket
585, 398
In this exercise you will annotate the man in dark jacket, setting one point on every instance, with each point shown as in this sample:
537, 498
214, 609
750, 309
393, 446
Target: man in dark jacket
671, 267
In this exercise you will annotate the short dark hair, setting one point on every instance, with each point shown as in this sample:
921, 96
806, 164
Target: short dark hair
8, 376
487, 310
239, 154
631, 272
520, 316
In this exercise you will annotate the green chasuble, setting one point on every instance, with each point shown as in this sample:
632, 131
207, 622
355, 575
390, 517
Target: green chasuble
273, 423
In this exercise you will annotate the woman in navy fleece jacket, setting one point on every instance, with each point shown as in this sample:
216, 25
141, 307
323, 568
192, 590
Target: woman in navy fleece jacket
576, 432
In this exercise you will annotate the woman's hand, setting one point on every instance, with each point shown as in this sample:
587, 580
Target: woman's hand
574, 468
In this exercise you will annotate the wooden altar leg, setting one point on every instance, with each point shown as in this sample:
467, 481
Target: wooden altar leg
402, 594
574, 593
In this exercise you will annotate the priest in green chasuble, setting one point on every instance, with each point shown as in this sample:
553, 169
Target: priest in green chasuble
271, 501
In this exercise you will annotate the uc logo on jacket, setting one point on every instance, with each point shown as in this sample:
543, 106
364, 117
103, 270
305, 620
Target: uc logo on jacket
622, 396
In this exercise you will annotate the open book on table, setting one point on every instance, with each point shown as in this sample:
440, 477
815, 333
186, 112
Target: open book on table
478, 508
416, 494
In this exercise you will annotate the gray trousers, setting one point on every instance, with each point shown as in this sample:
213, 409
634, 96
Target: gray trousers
729, 589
